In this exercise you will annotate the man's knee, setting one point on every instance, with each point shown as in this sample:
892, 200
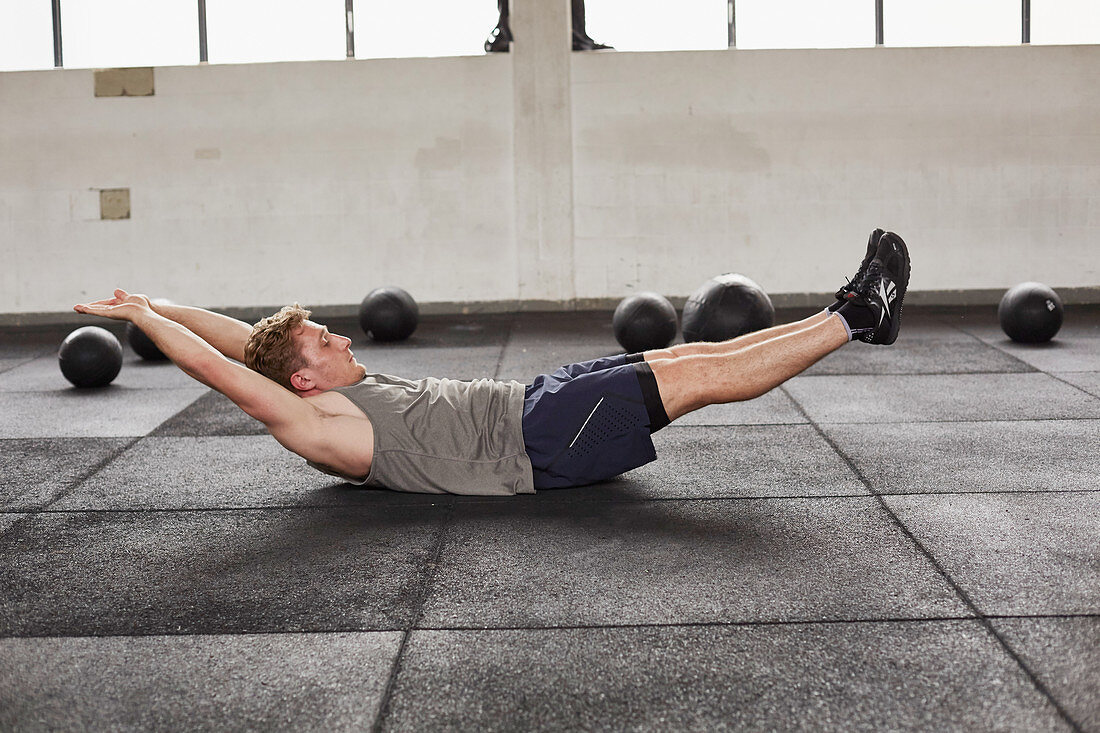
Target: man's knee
677, 392
658, 354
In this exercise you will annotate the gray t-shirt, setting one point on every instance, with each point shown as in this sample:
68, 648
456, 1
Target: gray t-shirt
443, 436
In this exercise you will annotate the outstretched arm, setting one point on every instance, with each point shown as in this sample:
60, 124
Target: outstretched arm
227, 335
293, 421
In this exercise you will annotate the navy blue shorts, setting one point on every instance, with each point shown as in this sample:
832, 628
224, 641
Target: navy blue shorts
591, 421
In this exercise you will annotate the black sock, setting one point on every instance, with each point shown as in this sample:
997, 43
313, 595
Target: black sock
857, 317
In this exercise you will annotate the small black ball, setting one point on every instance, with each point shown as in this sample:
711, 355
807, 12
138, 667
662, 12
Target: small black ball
1030, 313
644, 321
388, 314
142, 345
726, 307
90, 357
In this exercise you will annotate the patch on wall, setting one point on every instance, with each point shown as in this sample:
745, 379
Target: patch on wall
136, 82
114, 203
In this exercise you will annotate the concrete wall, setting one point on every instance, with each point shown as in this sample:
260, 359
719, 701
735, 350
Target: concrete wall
777, 164
259, 184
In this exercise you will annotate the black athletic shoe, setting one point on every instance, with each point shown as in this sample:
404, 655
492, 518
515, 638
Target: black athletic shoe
499, 40
842, 294
582, 42
882, 289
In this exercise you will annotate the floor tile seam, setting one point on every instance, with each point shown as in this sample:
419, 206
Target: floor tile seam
859, 474
407, 633
681, 426
152, 433
998, 348
877, 422
212, 633
880, 373
1011, 355
992, 492
504, 347
563, 502
418, 605
952, 583
572, 627
225, 509
73, 484
765, 623
19, 362
1071, 384
26, 514
67, 390
913, 421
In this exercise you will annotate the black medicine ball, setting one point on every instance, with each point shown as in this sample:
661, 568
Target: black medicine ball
142, 345
90, 357
1030, 312
644, 321
388, 314
726, 307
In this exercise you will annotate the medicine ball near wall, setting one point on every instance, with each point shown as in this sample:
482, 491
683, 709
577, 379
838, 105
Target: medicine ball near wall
388, 314
142, 345
644, 321
1030, 313
726, 307
90, 357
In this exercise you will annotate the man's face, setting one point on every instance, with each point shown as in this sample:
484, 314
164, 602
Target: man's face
329, 361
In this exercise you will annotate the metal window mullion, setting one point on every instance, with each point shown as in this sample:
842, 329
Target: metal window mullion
203, 57
878, 23
349, 25
1025, 21
57, 59
732, 28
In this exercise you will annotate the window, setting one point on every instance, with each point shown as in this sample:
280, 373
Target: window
658, 25
1065, 21
802, 24
26, 36
400, 28
244, 31
951, 22
106, 33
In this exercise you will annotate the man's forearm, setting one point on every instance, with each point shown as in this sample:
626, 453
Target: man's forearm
227, 335
185, 348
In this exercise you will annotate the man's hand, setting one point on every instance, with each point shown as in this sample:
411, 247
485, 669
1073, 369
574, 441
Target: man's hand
227, 335
122, 307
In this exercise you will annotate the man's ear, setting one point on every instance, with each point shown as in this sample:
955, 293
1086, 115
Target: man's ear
301, 382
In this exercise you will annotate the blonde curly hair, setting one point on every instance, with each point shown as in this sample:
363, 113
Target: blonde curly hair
270, 349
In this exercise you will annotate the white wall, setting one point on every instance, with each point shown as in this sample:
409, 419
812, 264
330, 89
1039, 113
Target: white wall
260, 184
778, 163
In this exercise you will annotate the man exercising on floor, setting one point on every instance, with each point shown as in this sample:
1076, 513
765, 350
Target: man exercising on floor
582, 424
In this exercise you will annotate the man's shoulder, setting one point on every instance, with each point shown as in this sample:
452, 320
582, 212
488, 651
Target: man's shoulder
335, 403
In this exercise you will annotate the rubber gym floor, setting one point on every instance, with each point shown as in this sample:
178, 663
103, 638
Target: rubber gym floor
902, 538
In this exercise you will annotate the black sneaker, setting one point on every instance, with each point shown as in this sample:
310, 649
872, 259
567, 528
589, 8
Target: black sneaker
582, 42
499, 40
842, 294
882, 289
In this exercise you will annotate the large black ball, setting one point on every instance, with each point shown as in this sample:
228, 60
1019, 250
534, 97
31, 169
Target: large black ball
142, 345
388, 314
644, 321
726, 307
1030, 312
90, 357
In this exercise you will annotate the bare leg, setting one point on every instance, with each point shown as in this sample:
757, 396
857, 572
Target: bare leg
727, 347
691, 381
